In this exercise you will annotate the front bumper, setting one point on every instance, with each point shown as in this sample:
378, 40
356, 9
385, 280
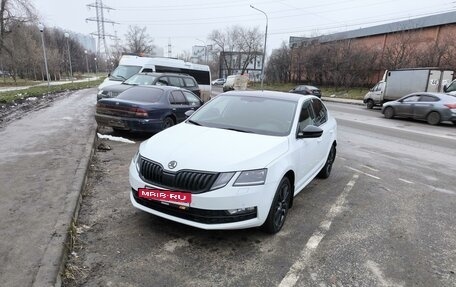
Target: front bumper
209, 210
131, 124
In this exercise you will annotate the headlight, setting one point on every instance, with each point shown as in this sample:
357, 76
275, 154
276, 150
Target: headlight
222, 180
251, 177
100, 92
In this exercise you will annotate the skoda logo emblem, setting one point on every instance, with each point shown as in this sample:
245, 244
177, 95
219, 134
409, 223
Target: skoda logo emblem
172, 164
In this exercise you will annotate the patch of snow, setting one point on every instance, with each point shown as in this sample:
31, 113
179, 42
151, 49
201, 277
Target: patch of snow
32, 99
113, 138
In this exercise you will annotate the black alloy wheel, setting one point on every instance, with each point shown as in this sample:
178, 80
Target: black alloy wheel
168, 122
433, 118
326, 170
388, 112
279, 207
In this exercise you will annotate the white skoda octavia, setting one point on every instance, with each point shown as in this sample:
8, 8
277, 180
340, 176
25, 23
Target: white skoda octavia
237, 162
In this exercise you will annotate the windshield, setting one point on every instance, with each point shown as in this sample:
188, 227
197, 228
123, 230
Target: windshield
121, 73
142, 94
248, 114
140, 79
451, 87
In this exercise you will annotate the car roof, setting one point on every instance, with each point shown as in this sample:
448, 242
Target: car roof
309, 87
163, 88
270, 95
157, 74
439, 95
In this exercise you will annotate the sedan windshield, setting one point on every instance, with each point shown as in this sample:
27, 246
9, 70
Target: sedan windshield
142, 94
140, 79
248, 114
121, 73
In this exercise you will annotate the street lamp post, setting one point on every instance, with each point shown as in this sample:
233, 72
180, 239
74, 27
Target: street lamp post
41, 27
205, 50
69, 56
96, 66
87, 63
265, 40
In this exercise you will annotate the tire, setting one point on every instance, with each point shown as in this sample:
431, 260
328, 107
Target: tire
388, 112
279, 207
433, 118
370, 104
167, 123
326, 170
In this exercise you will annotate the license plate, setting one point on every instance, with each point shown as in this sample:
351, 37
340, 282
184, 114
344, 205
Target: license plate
165, 195
116, 123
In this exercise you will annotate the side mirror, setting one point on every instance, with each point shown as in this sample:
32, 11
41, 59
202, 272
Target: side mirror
109, 75
445, 88
189, 113
310, 131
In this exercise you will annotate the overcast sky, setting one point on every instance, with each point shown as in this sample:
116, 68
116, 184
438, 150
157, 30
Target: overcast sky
188, 23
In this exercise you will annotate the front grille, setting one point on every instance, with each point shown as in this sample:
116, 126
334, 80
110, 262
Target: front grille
184, 180
195, 214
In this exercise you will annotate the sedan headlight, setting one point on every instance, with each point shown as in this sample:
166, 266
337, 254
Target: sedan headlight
222, 180
251, 177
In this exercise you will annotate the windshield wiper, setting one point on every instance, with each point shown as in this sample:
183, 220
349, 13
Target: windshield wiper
238, 130
193, 122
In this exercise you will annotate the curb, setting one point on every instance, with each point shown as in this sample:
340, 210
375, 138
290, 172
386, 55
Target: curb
343, 101
54, 258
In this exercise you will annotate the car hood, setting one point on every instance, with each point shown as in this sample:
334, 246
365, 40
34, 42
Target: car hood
212, 149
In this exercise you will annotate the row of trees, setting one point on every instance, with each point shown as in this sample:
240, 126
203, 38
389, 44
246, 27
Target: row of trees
347, 64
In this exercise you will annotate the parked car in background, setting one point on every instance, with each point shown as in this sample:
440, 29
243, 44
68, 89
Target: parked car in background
431, 107
146, 108
237, 162
306, 90
162, 79
219, 82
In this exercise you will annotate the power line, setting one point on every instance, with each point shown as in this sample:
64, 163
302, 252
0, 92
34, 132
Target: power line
101, 34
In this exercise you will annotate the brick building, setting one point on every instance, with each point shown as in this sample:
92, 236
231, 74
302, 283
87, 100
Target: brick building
426, 41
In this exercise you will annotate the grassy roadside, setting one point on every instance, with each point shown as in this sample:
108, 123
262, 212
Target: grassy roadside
337, 92
11, 97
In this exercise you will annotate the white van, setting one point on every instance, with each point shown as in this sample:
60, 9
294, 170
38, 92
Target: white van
236, 82
133, 64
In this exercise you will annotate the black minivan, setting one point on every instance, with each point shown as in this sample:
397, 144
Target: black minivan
161, 79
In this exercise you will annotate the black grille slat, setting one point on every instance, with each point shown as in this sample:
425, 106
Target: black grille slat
185, 180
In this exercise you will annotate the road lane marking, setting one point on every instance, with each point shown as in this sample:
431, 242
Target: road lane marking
293, 274
371, 168
406, 181
362, 172
380, 276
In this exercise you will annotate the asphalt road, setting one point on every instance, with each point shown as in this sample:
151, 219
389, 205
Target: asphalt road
385, 217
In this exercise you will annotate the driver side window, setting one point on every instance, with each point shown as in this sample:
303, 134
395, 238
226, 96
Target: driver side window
306, 117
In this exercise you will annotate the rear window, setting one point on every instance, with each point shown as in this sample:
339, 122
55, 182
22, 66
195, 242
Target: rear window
189, 82
142, 94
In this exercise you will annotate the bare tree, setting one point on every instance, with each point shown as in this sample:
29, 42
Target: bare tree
12, 12
279, 65
238, 47
138, 41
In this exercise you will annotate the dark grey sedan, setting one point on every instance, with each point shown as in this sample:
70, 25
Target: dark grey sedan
306, 90
431, 107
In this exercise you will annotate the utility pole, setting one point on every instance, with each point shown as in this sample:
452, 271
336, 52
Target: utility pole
102, 47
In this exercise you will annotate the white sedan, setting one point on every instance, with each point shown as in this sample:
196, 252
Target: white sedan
237, 162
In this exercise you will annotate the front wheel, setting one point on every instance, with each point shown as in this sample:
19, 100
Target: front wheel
388, 112
370, 104
326, 170
279, 207
433, 118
